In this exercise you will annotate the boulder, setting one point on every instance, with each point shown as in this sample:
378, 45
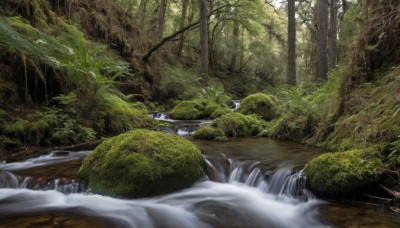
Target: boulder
259, 104
333, 174
142, 163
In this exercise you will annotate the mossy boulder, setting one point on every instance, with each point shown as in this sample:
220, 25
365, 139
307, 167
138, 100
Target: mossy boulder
333, 174
142, 163
197, 109
239, 125
219, 112
186, 110
260, 104
208, 132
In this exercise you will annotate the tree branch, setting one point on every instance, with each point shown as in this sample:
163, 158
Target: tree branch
146, 57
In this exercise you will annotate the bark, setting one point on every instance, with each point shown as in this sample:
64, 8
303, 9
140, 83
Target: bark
161, 17
203, 38
333, 32
322, 37
185, 4
291, 64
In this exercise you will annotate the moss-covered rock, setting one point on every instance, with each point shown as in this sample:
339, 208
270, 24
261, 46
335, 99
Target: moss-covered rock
186, 110
239, 125
338, 173
196, 109
208, 132
219, 112
260, 104
142, 163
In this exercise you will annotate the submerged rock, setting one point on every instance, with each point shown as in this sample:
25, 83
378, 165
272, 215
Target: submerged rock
142, 163
260, 104
338, 173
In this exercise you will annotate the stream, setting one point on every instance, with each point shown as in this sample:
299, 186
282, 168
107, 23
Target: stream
250, 182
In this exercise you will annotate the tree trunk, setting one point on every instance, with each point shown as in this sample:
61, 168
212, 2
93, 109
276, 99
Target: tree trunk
142, 12
291, 64
204, 38
235, 44
322, 37
333, 32
161, 17
185, 4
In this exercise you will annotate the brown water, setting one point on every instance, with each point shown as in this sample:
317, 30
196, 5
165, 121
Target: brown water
207, 204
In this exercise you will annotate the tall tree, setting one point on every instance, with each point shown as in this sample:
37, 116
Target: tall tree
333, 32
235, 42
322, 40
161, 17
291, 64
185, 4
203, 38
142, 11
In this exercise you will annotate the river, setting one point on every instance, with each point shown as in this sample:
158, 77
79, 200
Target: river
250, 182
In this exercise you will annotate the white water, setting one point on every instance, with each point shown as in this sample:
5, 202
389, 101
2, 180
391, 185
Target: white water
236, 104
51, 158
250, 206
245, 198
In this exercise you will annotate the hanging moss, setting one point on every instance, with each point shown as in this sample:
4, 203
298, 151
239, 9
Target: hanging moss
338, 173
142, 163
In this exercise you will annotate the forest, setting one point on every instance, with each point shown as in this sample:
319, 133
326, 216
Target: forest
172, 98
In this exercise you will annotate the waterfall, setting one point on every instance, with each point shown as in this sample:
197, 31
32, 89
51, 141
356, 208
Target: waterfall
285, 182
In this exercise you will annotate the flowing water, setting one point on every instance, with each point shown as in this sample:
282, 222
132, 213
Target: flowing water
250, 182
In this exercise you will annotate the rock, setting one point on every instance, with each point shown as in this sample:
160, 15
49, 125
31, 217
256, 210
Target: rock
208, 132
142, 163
260, 104
186, 110
338, 173
239, 125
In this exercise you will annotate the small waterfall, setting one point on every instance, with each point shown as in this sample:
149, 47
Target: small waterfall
284, 182
236, 104
63, 185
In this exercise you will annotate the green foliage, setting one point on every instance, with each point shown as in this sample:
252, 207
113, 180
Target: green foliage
119, 116
392, 153
239, 125
219, 112
142, 163
338, 173
259, 104
208, 132
49, 127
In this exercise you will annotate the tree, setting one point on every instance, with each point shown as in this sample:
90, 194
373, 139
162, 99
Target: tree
291, 64
185, 4
322, 37
203, 38
161, 17
333, 32
235, 43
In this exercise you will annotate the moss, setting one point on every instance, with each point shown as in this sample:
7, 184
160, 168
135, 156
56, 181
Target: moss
208, 132
260, 104
186, 110
239, 125
210, 109
219, 112
338, 173
221, 139
142, 163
